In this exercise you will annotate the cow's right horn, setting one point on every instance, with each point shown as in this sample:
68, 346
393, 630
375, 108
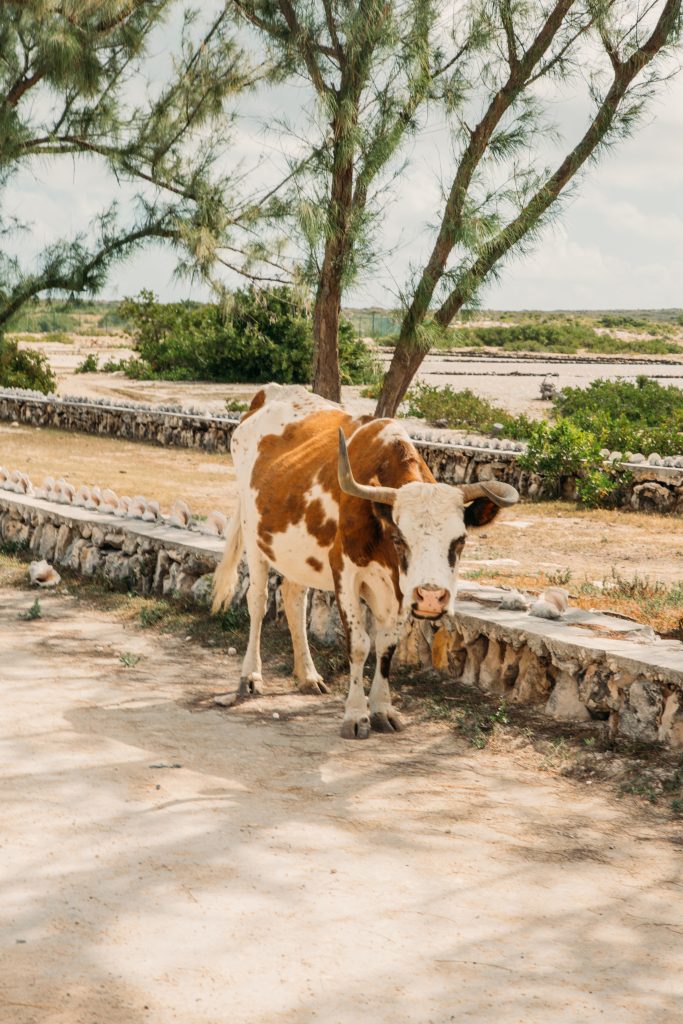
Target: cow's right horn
385, 495
500, 494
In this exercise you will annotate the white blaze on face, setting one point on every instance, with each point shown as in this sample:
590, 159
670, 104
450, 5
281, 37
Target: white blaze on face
430, 521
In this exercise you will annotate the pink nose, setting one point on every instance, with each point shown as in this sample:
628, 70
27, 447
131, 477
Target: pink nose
430, 601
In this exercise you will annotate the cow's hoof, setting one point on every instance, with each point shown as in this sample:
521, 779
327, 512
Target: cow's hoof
356, 728
387, 721
250, 686
314, 684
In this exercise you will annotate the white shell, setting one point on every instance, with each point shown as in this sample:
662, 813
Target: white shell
180, 515
152, 512
82, 496
42, 574
110, 501
122, 506
137, 506
216, 524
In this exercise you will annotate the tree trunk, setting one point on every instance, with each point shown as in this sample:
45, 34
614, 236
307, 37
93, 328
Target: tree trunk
327, 311
326, 375
408, 356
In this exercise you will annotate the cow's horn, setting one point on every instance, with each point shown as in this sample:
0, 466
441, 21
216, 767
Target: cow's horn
385, 495
501, 494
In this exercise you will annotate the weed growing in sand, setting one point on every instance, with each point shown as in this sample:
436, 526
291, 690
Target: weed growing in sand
34, 612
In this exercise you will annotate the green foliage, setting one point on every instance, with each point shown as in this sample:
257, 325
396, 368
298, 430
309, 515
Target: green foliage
263, 335
22, 369
89, 365
462, 410
562, 451
34, 612
75, 81
641, 416
567, 338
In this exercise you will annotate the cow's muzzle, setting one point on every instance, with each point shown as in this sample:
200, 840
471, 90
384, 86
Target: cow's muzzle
430, 602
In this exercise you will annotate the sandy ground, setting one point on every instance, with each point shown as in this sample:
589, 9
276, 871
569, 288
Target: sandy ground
509, 382
163, 864
203, 480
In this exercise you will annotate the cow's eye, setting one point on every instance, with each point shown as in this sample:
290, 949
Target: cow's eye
455, 550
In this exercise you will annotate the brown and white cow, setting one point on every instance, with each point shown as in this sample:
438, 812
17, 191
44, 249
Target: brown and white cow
367, 521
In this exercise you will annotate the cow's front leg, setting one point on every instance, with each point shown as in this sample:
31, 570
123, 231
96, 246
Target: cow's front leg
383, 715
356, 723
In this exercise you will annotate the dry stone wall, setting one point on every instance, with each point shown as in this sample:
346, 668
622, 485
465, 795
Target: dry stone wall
583, 666
656, 484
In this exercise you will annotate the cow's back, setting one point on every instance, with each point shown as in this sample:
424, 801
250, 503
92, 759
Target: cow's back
286, 452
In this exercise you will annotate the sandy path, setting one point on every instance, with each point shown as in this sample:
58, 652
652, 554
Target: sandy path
279, 874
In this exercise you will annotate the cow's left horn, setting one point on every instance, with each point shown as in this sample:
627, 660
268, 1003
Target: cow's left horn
501, 494
385, 495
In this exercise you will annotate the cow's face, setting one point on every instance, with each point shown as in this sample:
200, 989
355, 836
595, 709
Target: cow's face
427, 524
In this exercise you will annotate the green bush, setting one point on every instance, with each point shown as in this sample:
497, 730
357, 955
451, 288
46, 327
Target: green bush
637, 416
89, 365
564, 338
563, 451
265, 335
22, 369
462, 410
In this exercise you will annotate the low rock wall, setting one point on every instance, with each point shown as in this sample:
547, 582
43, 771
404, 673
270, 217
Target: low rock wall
652, 486
585, 666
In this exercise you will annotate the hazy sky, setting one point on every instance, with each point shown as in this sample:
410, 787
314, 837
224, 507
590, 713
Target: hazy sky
619, 242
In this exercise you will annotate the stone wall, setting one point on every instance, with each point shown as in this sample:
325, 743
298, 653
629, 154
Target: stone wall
583, 666
656, 484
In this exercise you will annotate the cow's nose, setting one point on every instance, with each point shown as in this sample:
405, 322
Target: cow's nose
431, 600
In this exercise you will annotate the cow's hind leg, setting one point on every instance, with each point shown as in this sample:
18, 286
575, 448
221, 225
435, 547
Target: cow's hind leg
383, 715
251, 680
294, 600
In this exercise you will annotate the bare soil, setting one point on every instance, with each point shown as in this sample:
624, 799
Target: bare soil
203, 480
166, 861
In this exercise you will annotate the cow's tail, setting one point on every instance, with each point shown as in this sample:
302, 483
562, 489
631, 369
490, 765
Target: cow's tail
226, 576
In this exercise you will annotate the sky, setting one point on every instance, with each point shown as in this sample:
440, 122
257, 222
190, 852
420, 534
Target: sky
618, 244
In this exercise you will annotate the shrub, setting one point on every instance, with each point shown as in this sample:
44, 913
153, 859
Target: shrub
264, 335
89, 365
563, 451
565, 337
462, 410
641, 416
22, 369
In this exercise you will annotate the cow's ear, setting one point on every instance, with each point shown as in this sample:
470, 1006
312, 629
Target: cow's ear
480, 512
382, 511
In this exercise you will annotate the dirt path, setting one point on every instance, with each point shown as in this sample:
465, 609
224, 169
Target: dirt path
165, 865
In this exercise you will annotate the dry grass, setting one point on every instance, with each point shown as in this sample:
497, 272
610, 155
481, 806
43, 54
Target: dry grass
203, 480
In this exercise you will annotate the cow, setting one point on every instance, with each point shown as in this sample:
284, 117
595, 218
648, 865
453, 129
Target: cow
343, 503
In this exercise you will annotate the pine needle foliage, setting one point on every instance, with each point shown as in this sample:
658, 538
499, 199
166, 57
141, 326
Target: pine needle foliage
371, 67
75, 83
509, 61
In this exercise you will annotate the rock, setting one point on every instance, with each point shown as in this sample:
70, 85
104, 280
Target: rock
532, 684
642, 709
671, 726
324, 624
652, 497
202, 588
514, 602
475, 654
48, 541
564, 703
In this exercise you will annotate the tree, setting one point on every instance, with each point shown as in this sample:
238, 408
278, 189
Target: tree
74, 83
370, 65
500, 195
